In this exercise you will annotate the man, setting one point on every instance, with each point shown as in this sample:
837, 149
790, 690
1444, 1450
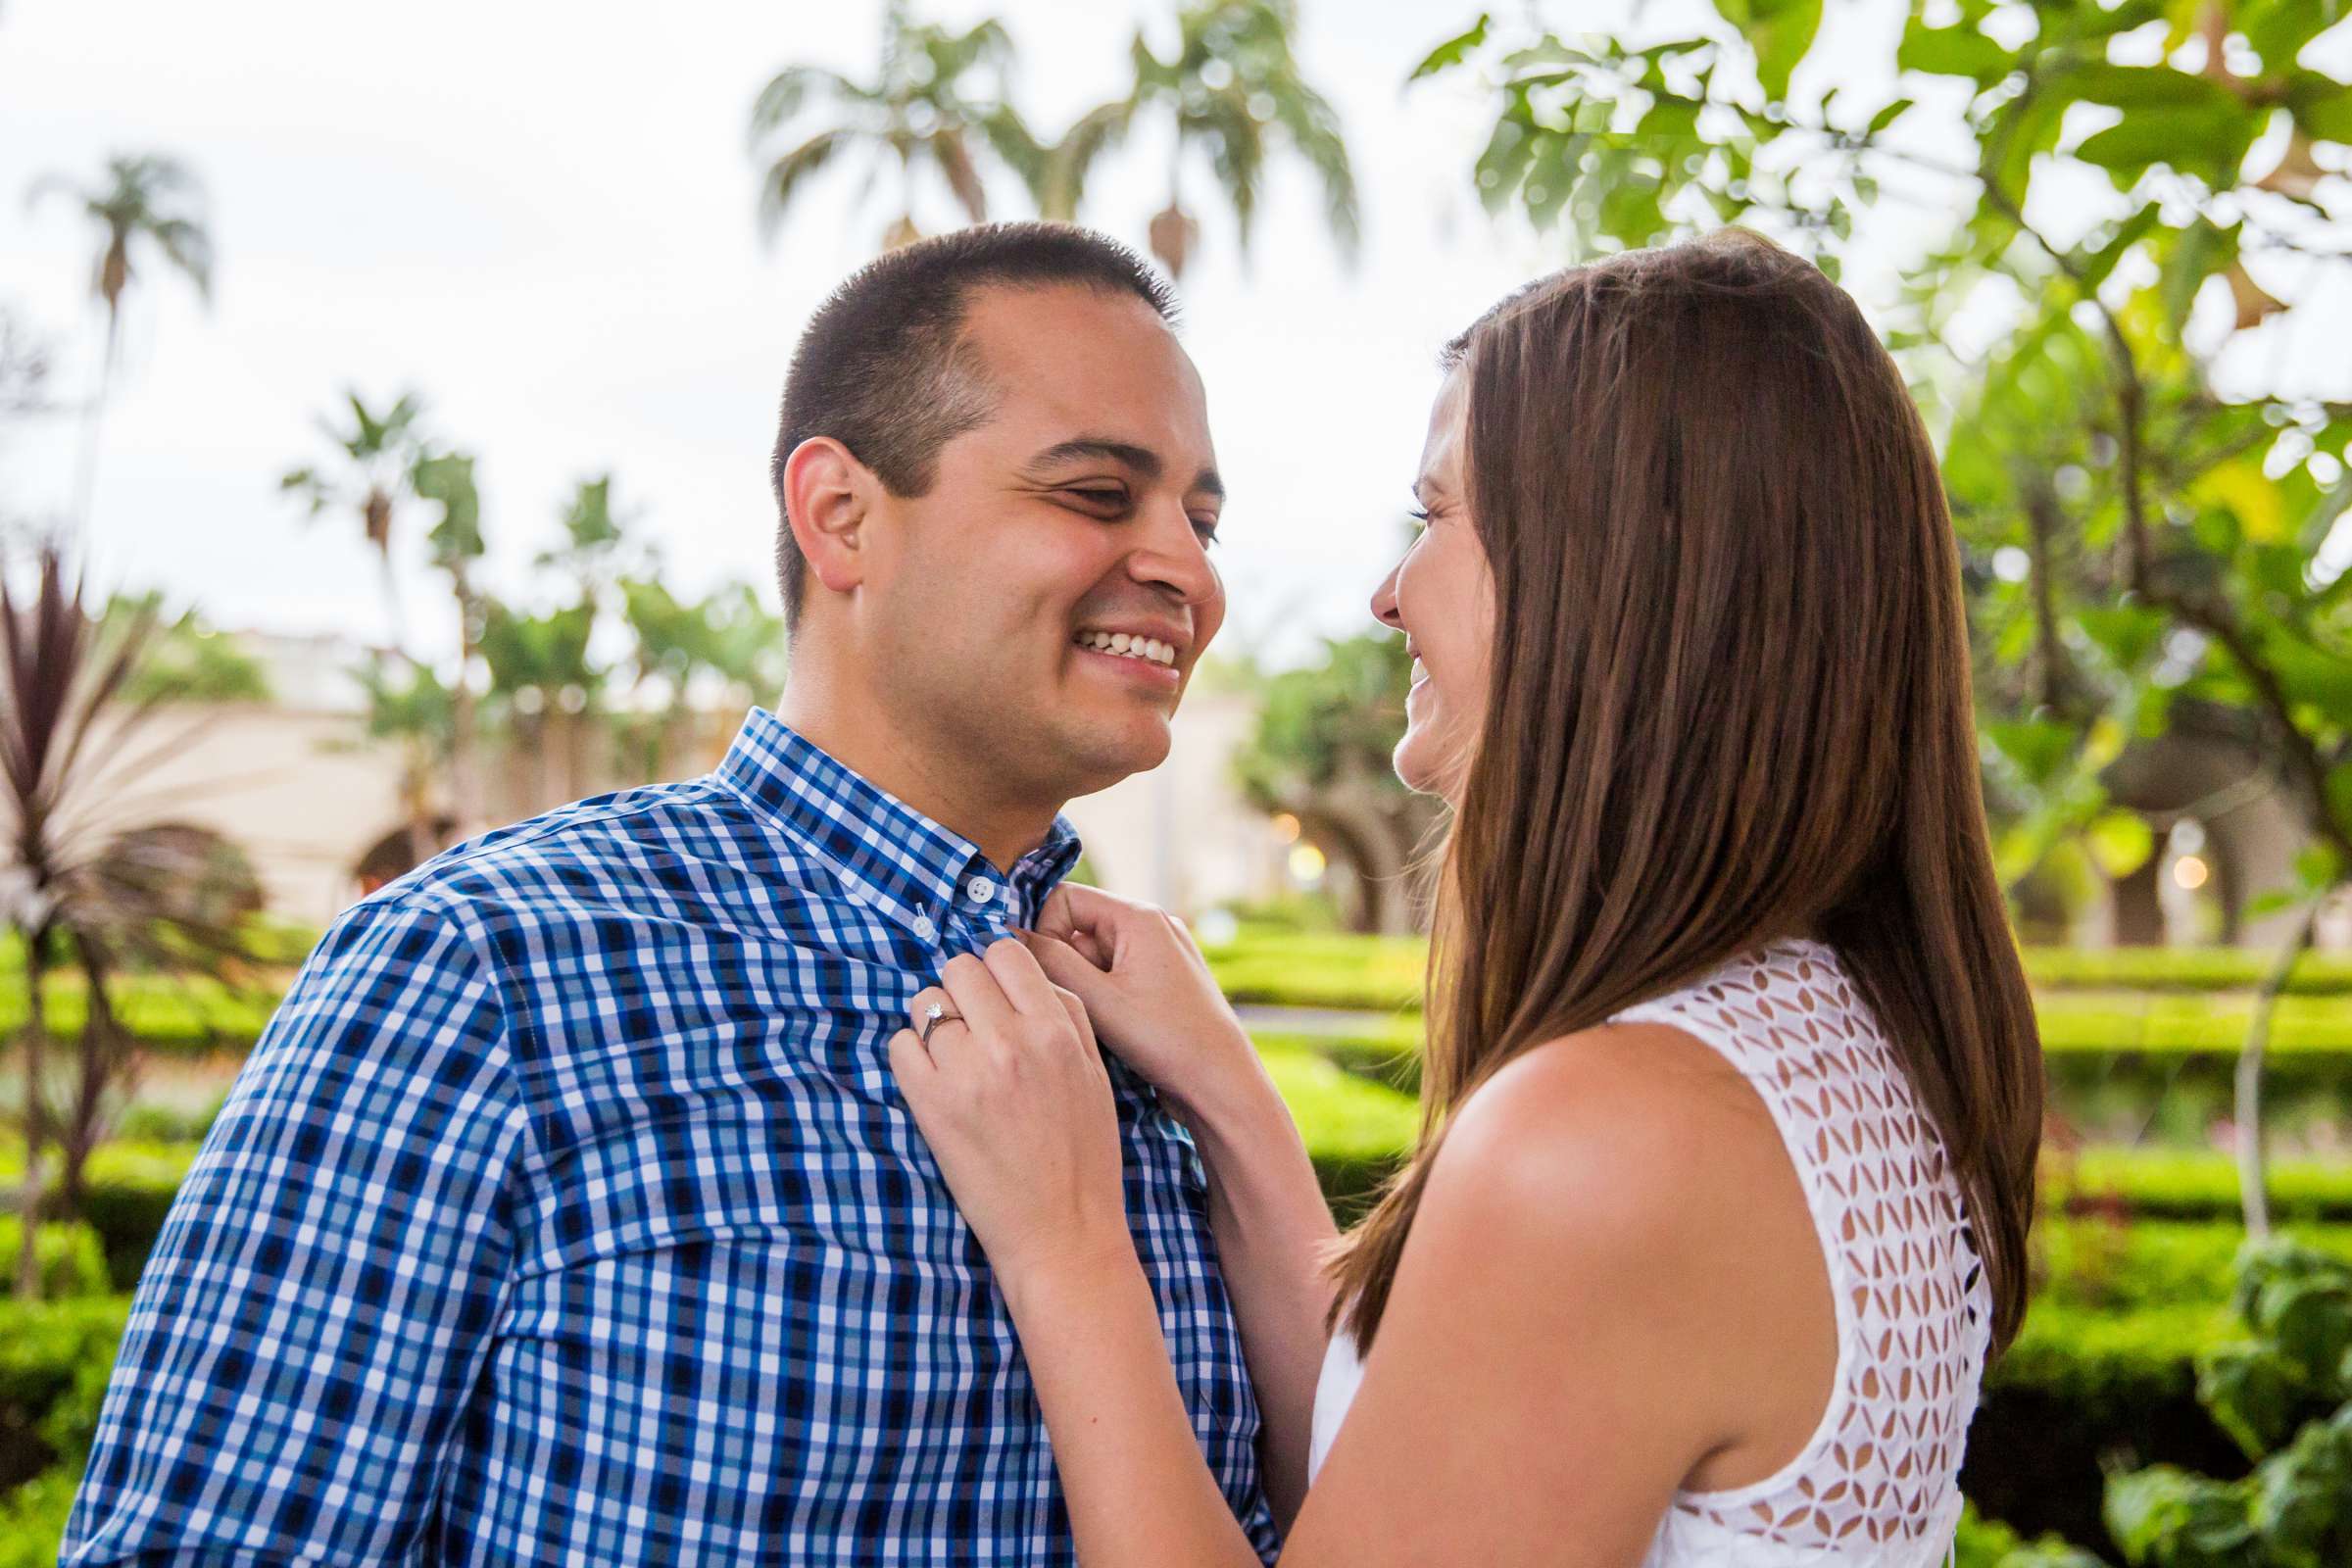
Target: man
567, 1211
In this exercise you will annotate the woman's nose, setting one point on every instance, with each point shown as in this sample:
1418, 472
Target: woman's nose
1384, 602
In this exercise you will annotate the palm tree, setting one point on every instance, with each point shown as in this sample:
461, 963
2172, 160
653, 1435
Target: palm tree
379, 453
1234, 90
939, 100
446, 479
87, 882
145, 201
378, 450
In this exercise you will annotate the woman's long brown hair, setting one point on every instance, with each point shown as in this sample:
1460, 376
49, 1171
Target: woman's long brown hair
1729, 700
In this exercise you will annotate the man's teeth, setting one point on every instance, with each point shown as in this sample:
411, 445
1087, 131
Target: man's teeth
1126, 647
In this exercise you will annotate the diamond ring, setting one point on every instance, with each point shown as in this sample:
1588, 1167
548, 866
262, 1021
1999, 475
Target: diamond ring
934, 1015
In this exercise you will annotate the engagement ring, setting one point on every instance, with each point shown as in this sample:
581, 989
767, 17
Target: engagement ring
935, 1014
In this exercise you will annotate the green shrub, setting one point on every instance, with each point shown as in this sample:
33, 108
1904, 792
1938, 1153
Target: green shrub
32, 1517
2286, 1396
2192, 1184
73, 1259
128, 1193
1983, 1543
2124, 1267
1355, 1132
55, 1360
2181, 969
173, 1014
1343, 970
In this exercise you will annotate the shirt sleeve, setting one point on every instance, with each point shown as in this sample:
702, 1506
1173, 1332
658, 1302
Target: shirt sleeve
320, 1301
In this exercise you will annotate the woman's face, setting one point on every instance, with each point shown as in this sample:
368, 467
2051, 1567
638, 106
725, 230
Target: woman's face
1442, 596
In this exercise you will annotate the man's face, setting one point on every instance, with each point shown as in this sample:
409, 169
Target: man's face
1081, 511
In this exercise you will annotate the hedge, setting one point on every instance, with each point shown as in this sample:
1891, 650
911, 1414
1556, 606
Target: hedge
2190, 1184
127, 1194
71, 1258
55, 1358
2092, 1044
32, 1518
1381, 973
2117, 1267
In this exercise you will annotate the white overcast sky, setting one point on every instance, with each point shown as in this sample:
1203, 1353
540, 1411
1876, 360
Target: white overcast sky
540, 218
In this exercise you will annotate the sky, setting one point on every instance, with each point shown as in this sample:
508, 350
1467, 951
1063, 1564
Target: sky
541, 219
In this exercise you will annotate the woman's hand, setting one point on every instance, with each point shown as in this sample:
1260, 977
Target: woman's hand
1149, 993
1013, 1098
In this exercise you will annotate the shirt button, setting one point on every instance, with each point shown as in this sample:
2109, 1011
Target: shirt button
981, 889
924, 928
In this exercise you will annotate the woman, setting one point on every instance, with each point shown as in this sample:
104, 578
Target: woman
1733, 1092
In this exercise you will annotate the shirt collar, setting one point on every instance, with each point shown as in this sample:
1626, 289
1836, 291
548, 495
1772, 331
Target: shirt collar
886, 853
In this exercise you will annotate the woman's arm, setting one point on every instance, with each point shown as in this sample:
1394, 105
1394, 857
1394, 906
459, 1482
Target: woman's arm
1271, 1224
1151, 999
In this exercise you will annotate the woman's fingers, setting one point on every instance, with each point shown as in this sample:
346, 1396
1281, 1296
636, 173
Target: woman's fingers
910, 1063
1017, 976
973, 992
1088, 918
1065, 967
1076, 1009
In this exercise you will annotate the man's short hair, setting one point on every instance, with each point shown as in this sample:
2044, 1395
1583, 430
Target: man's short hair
883, 367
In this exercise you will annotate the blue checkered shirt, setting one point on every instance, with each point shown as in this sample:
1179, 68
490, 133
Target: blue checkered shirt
568, 1212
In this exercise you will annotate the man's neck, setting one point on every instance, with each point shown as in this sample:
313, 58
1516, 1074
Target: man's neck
844, 722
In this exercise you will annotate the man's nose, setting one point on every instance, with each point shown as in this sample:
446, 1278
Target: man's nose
1172, 555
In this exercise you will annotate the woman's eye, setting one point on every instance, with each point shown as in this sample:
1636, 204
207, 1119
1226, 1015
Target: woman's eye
1206, 528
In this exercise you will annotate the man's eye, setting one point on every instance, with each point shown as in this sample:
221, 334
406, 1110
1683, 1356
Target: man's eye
1099, 497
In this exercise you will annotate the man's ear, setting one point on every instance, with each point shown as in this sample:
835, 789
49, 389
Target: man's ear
828, 493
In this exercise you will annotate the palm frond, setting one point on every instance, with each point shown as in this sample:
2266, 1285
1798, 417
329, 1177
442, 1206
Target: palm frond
1017, 148
786, 176
1313, 126
1237, 151
189, 248
1072, 159
955, 162
791, 90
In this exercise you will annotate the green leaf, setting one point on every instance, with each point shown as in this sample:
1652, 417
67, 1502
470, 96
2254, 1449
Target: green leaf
2340, 794
1888, 116
1780, 31
2253, 1391
2241, 486
2321, 104
2037, 747
2095, 268
2144, 86
1956, 51
2129, 634
2202, 250
2119, 842
2210, 141
2157, 1512
2279, 28
1454, 51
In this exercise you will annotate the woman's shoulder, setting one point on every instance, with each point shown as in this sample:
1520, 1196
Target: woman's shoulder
1620, 1135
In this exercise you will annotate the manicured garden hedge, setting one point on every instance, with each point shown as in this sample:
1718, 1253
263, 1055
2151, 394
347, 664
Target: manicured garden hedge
1380, 974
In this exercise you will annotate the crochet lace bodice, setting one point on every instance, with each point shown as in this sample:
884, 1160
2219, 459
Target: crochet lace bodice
1877, 1482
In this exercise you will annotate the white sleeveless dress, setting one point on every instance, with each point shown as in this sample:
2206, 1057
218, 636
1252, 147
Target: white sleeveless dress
1878, 1483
